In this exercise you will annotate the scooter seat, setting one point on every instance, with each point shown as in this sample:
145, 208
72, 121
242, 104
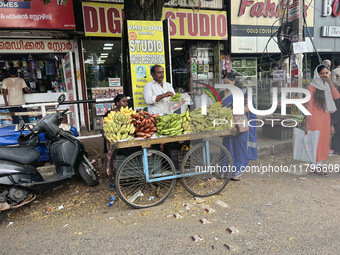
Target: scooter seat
20, 154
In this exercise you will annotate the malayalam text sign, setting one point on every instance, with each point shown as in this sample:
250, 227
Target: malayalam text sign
35, 46
35, 14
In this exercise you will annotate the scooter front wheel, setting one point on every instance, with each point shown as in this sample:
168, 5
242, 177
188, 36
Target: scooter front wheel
87, 173
2, 215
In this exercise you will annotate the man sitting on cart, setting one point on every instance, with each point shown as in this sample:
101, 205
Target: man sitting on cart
157, 92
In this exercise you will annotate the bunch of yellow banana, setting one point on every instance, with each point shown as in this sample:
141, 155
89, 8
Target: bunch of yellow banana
118, 127
186, 122
116, 132
110, 117
185, 148
127, 111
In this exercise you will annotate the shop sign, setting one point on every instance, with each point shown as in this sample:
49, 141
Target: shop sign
259, 9
146, 47
101, 19
35, 14
264, 13
254, 22
71, 88
330, 7
35, 46
114, 82
203, 25
330, 31
279, 75
294, 10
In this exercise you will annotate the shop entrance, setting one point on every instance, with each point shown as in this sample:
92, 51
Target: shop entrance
103, 76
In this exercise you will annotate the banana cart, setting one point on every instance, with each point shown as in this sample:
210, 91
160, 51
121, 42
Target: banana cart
147, 177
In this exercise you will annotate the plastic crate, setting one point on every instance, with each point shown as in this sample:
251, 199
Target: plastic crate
119, 160
176, 157
277, 132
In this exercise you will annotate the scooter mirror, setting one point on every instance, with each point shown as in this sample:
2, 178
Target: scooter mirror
61, 98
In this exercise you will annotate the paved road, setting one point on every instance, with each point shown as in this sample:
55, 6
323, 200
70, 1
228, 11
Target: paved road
275, 213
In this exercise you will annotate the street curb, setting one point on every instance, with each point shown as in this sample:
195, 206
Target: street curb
268, 148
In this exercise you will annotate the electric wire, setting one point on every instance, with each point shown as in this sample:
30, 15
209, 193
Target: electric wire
310, 37
265, 50
310, 4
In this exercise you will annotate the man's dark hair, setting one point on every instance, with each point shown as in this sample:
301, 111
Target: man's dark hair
13, 71
337, 62
153, 69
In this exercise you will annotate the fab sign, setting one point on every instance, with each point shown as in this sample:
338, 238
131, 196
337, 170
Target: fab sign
330, 7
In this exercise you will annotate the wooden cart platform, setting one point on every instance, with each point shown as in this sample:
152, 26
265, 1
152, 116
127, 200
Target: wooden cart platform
167, 139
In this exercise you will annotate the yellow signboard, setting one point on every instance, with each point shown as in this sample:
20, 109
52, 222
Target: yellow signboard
146, 47
105, 19
202, 25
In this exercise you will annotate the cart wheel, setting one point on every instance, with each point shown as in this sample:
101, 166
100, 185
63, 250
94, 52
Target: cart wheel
131, 181
208, 183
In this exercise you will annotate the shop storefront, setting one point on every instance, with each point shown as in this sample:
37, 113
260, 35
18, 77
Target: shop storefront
327, 31
254, 49
46, 64
196, 40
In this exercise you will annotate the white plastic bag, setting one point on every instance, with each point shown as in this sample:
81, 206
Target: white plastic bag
305, 146
184, 100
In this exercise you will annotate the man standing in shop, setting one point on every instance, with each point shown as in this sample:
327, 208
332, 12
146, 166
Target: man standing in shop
12, 87
157, 92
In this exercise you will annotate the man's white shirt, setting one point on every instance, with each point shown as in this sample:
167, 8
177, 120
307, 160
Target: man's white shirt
151, 90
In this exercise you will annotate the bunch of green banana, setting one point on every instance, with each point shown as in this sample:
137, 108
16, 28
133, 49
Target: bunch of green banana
175, 97
170, 125
119, 128
217, 118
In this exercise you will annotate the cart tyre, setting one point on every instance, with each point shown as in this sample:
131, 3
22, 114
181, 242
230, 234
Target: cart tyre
220, 182
127, 185
88, 175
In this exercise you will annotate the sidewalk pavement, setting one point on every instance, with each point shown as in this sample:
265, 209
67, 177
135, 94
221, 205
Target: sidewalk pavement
266, 146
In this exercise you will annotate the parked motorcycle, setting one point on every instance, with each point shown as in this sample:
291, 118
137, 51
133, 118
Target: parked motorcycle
20, 180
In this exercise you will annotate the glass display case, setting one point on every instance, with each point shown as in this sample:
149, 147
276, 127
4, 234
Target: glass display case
245, 70
201, 64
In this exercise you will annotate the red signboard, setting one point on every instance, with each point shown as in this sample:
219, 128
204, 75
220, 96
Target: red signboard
34, 14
